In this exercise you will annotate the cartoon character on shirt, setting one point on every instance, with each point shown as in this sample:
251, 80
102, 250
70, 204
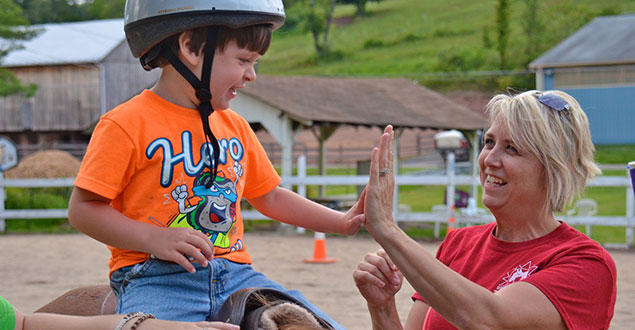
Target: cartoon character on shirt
211, 211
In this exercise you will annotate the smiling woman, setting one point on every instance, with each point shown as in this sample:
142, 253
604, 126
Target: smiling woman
559, 138
525, 270
508, 176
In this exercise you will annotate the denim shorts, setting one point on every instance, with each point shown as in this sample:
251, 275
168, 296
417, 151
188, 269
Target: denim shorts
168, 291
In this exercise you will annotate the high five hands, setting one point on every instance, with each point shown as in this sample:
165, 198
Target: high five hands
377, 197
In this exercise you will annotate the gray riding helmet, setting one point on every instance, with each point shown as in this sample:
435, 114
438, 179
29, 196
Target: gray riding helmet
148, 22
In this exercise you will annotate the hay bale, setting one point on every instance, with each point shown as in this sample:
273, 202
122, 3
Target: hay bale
46, 164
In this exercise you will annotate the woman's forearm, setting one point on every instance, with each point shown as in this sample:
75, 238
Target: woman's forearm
385, 316
450, 294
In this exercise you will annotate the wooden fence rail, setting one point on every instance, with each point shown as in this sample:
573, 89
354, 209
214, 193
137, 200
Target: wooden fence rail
302, 180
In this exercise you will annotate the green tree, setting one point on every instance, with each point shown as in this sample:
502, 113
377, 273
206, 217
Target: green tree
56, 11
100, 9
52, 11
502, 31
360, 6
534, 29
12, 31
317, 16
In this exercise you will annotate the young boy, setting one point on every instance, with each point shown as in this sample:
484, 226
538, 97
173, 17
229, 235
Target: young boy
149, 188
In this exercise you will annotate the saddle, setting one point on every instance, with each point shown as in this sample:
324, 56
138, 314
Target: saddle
267, 309
251, 308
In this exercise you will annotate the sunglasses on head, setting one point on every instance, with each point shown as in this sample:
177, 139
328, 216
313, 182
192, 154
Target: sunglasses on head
553, 101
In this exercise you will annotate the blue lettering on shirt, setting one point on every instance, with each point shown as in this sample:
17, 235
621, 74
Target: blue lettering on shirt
232, 148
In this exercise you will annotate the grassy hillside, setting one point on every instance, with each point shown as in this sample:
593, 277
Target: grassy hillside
411, 38
615, 154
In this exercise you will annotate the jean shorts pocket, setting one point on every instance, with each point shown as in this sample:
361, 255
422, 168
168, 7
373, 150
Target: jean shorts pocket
141, 269
122, 276
118, 278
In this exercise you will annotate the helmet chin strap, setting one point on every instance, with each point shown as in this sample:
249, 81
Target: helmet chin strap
203, 94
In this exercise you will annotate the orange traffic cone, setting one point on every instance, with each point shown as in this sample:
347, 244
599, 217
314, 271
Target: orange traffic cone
319, 250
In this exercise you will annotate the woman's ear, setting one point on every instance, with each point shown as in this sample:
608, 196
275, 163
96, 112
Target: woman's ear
189, 57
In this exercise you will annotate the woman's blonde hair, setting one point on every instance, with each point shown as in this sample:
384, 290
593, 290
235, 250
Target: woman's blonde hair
561, 140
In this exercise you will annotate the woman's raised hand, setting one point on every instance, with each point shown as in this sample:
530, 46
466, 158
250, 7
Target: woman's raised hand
378, 195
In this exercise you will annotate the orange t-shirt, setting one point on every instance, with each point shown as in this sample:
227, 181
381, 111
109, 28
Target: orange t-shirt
146, 155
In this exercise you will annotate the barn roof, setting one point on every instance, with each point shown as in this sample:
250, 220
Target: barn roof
68, 43
604, 40
362, 101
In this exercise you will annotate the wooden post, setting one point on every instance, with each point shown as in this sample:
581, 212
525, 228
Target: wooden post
301, 185
450, 192
3, 225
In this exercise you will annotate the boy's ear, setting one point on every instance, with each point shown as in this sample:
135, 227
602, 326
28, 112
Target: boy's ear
185, 41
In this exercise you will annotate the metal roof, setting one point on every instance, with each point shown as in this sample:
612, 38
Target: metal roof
604, 40
363, 101
68, 43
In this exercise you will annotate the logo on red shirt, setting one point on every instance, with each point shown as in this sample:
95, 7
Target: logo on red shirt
518, 274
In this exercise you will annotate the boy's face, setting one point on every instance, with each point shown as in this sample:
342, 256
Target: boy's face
231, 70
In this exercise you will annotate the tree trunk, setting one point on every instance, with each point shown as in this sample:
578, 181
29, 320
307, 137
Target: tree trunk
329, 18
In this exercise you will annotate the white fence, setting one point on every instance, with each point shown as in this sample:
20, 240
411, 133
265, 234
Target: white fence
30, 214
301, 180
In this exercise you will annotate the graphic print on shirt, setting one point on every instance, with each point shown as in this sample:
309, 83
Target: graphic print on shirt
229, 150
211, 211
518, 274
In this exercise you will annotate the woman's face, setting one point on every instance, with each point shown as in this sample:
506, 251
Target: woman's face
512, 179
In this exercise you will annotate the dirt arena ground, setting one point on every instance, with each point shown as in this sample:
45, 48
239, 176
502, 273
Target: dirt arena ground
35, 269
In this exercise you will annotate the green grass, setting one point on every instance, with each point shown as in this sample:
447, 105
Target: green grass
606, 234
615, 154
37, 198
409, 38
43, 226
611, 200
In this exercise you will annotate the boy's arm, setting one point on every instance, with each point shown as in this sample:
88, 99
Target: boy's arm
286, 206
92, 214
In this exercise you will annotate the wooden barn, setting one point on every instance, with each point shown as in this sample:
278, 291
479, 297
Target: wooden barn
81, 70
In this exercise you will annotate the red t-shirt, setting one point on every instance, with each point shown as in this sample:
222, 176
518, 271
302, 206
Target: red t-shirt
146, 156
573, 271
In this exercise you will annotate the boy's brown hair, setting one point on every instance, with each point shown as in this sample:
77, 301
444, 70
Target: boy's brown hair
256, 38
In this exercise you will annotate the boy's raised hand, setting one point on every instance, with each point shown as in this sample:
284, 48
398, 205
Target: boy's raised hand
354, 218
177, 244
